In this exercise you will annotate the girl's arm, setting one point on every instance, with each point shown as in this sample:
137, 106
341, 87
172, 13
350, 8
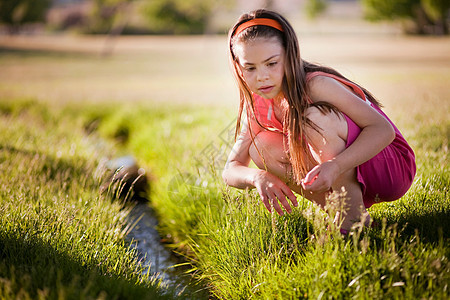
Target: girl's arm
237, 173
376, 131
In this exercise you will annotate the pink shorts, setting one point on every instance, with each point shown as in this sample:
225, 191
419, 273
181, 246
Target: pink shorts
388, 175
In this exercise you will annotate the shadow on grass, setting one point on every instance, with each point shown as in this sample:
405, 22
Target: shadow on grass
431, 226
29, 265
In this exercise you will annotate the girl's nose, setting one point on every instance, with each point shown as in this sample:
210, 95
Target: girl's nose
262, 75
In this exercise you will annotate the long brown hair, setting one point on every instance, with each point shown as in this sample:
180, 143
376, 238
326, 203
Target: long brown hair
294, 86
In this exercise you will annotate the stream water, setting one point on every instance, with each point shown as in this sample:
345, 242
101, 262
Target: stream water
158, 260
161, 262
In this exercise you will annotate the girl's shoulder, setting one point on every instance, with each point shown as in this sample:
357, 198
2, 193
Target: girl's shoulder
320, 81
317, 81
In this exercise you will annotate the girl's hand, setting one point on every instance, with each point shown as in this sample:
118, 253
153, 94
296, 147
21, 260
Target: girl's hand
321, 177
271, 190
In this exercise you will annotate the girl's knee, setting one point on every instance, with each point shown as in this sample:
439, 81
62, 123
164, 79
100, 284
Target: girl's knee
268, 150
327, 135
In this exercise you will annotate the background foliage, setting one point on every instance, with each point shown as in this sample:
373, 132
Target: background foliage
196, 16
108, 15
428, 16
18, 12
178, 16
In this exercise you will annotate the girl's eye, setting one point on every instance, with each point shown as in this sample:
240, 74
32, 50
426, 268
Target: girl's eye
249, 69
271, 64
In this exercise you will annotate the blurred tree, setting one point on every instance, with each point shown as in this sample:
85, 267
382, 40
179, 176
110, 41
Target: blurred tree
181, 16
15, 13
429, 16
439, 12
108, 16
314, 8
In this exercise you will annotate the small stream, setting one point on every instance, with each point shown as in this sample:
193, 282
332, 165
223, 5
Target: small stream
157, 259
162, 261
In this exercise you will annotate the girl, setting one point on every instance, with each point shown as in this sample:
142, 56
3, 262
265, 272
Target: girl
308, 128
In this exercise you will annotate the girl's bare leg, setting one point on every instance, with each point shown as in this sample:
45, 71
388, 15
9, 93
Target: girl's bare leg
325, 145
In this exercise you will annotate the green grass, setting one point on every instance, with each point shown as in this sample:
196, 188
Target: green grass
53, 220
244, 252
59, 237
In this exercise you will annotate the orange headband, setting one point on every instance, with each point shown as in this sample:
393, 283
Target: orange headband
259, 21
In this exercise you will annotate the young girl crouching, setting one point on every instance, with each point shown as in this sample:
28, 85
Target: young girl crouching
308, 128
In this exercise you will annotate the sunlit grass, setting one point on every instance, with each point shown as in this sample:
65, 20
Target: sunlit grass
232, 241
244, 252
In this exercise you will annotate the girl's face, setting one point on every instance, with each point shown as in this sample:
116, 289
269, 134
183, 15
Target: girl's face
261, 62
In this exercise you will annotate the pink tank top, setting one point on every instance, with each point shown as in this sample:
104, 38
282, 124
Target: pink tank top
265, 113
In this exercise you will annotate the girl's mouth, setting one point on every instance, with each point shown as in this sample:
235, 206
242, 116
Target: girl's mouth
266, 89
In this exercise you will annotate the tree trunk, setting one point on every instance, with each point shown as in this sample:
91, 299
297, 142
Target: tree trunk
422, 21
116, 30
444, 24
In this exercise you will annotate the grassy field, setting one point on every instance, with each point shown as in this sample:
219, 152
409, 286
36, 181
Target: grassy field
172, 102
60, 238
